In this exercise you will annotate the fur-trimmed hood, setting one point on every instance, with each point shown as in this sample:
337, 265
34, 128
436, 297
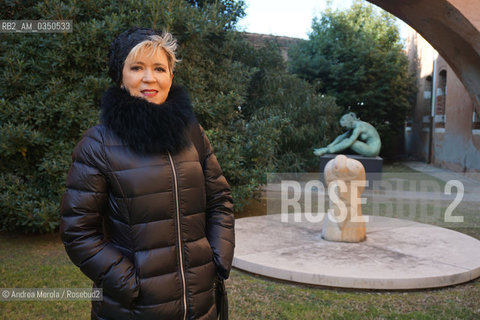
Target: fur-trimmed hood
148, 127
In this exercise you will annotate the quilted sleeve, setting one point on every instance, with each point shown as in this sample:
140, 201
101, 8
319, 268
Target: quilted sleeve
82, 208
220, 219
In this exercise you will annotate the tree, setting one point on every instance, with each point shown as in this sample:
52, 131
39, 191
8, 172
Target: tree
356, 56
51, 85
301, 118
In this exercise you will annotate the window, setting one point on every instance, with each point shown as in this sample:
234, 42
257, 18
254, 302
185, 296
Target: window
475, 122
441, 99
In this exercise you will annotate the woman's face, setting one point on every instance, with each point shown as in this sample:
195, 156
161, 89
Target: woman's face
148, 76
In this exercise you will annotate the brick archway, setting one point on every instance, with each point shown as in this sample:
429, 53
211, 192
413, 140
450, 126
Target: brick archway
452, 28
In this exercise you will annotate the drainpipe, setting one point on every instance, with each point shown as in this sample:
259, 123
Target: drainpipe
432, 115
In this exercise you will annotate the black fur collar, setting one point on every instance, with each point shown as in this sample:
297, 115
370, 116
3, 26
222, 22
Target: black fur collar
148, 127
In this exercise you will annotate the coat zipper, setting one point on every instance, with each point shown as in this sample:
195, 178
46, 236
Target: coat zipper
179, 235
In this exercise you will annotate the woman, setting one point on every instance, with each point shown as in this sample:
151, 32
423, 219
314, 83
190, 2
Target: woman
361, 137
147, 214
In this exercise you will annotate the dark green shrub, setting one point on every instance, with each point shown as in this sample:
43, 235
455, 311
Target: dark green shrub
51, 85
302, 118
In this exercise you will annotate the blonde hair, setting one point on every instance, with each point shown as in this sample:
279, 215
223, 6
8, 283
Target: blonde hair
165, 42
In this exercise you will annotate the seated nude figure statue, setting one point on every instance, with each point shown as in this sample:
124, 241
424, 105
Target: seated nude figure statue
361, 137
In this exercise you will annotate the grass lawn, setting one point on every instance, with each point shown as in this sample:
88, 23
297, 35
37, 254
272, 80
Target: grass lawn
40, 261
35, 261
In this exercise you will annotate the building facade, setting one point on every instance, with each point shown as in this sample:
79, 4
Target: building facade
444, 128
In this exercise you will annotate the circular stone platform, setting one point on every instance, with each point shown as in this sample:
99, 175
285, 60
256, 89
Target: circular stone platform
398, 254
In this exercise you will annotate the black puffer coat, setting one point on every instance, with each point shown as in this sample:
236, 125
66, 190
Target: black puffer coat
148, 224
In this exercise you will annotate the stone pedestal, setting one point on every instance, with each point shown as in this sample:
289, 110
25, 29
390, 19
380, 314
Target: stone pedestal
397, 254
372, 165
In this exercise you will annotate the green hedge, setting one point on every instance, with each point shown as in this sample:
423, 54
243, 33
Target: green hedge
51, 85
